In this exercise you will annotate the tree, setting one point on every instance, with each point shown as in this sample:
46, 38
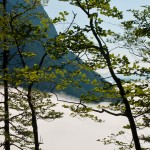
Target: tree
18, 30
5, 72
135, 39
102, 57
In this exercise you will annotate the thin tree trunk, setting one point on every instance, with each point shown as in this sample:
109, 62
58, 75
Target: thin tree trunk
105, 53
127, 106
132, 125
34, 120
6, 110
6, 121
5, 81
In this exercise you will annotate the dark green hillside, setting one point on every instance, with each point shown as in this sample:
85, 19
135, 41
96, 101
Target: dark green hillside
38, 49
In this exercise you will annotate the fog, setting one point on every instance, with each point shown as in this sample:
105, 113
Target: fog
76, 133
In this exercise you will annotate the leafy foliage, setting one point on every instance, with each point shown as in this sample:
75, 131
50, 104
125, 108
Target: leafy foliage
21, 109
130, 94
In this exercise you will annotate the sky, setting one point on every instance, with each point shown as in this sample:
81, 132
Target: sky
76, 133
79, 134
54, 7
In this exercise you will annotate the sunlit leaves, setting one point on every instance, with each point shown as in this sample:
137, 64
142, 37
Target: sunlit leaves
23, 26
84, 112
136, 34
102, 6
130, 96
61, 17
21, 117
114, 138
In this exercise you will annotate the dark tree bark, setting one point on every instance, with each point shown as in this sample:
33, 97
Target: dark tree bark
6, 105
5, 81
34, 120
128, 111
105, 53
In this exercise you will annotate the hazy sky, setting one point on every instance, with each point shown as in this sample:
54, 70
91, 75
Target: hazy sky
55, 6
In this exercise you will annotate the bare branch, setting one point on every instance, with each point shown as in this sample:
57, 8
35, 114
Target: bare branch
94, 110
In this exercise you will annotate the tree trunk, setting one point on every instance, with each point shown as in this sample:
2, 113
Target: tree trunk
105, 53
6, 121
127, 106
132, 125
5, 81
34, 120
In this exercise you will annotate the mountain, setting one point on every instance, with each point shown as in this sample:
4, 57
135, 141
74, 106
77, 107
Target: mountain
37, 48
